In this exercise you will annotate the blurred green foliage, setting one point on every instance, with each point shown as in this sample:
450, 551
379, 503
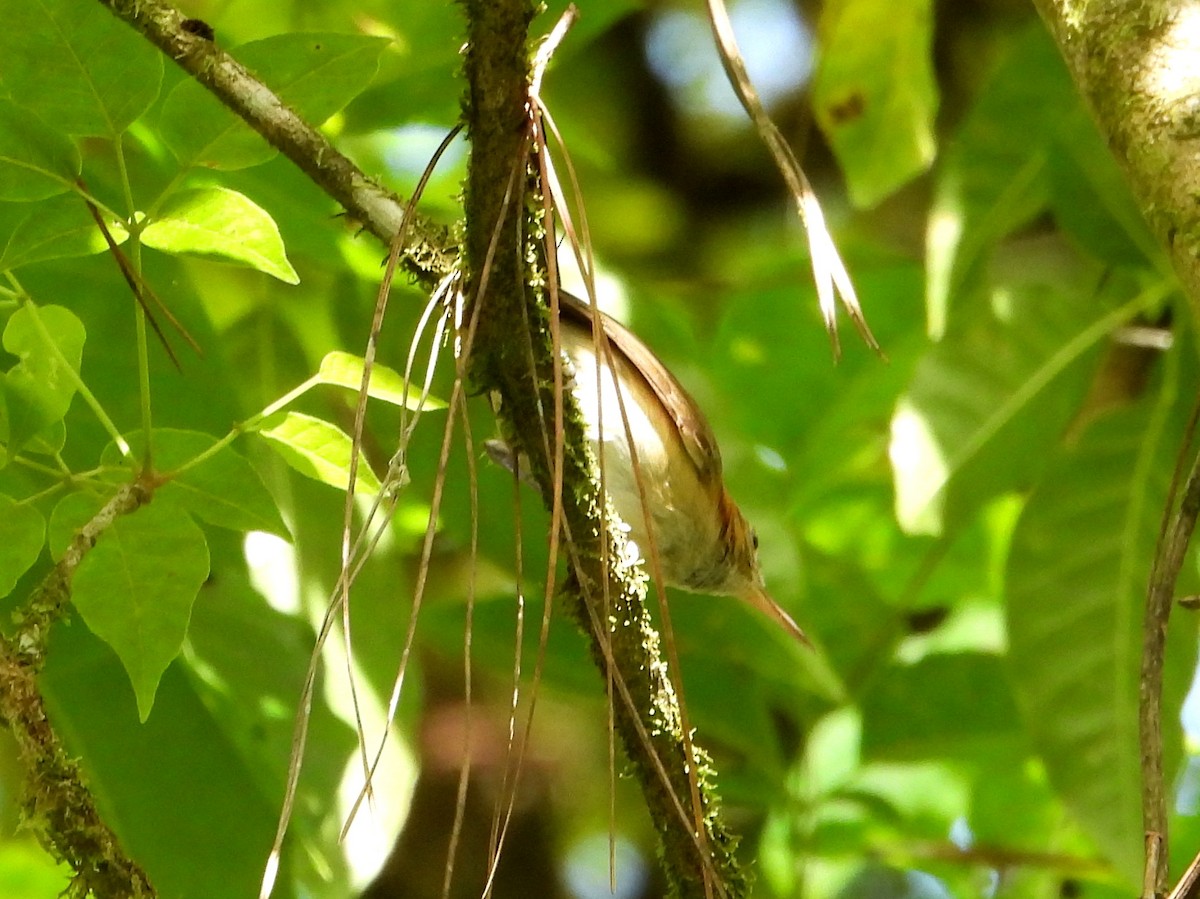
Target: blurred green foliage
965, 529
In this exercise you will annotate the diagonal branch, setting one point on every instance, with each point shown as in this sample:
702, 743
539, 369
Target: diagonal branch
429, 253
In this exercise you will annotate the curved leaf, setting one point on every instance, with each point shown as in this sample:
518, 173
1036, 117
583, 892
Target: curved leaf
980, 416
992, 176
345, 370
38, 389
221, 222
22, 533
57, 228
320, 451
224, 489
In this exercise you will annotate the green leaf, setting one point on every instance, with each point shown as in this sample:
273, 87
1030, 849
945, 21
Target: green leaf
168, 778
314, 74
876, 99
48, 341
992, 176
76, 65
221, 222
346, 370
223, 490
320, 451
1091, 198
135, 590
36, 161
28, 872
22, 533
987, 403
251, 683
57, 228
1077, 576
974, 712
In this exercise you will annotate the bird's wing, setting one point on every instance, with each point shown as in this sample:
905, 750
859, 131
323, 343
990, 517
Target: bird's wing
698, 437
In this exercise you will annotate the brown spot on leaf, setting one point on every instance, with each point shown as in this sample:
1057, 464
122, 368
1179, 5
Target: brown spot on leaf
848, 109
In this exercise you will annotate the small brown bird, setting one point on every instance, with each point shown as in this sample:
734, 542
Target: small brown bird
703, 542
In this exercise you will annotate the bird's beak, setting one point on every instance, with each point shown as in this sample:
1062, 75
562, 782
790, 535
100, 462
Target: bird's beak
761, 600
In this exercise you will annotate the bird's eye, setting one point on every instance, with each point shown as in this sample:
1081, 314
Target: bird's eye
754, 540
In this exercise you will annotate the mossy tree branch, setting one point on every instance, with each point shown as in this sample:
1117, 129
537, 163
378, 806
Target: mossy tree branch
57, 804
506, 271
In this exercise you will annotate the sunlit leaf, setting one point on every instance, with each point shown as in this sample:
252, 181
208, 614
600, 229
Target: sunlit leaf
221, 222
345, 370
876, 99
76, 66
319, 450
988, 402
992, 176
135, 590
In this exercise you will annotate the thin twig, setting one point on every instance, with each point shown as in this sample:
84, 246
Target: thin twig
1168, 562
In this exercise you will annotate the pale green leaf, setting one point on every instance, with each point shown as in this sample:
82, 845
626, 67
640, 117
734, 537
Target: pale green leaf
876, 99
991, 178
135, 590
987, 403
346, 370
320, 451
221, 222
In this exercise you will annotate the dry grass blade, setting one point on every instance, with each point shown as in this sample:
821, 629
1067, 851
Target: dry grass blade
352, 559
557, 210
829, 272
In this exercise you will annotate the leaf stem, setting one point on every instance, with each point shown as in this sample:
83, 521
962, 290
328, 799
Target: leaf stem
135, 260
249, 424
